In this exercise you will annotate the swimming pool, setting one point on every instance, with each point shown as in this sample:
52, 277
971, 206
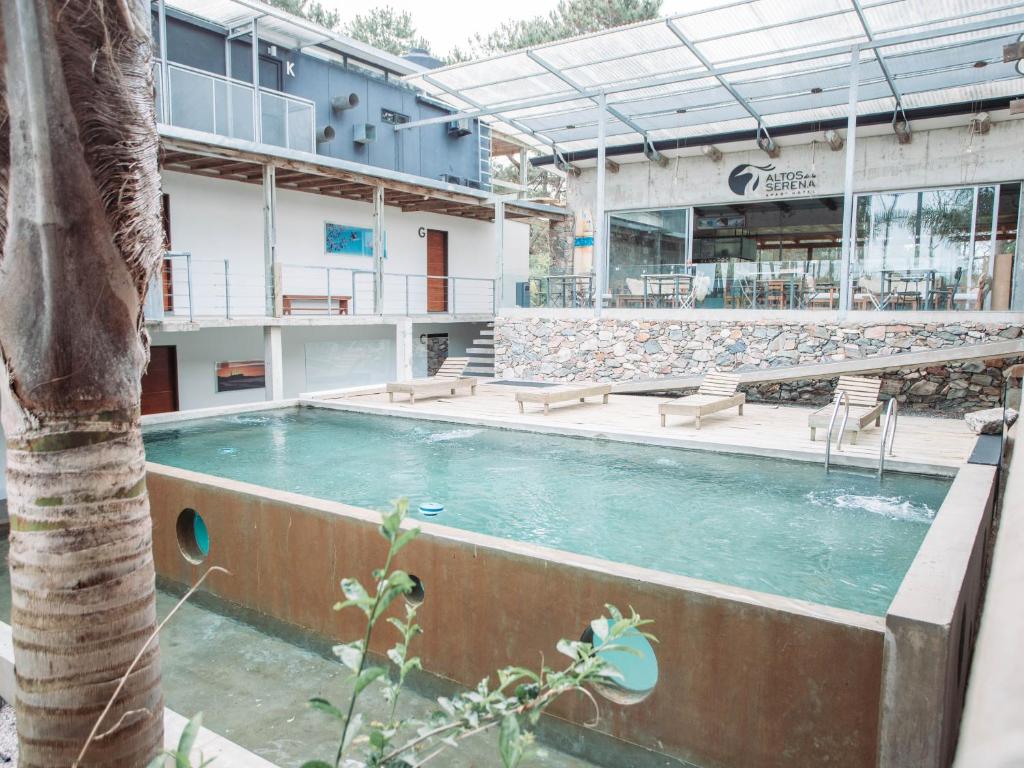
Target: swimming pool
786, 528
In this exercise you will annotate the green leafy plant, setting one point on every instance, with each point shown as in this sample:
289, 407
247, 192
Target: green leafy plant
513, 706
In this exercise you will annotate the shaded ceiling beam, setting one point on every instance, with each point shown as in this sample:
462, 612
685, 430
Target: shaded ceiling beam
722, 81
683, 77
882, 63
654, 155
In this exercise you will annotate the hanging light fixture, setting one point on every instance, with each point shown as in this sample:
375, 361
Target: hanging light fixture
834, 139
711, 152
902, 130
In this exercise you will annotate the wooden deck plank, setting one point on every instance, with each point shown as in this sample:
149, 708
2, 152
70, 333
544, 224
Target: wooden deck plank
770, 429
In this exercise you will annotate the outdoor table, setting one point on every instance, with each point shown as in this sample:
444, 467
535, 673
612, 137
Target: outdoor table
678, 285
917, 278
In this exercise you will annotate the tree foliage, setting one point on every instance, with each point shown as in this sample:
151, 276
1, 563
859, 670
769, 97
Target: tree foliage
569, 19
310, 9
385, 28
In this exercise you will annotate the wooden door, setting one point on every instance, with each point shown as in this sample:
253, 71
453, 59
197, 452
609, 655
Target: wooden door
160, 381
437, 270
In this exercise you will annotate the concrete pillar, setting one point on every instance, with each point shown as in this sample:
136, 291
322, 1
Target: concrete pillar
271, 270
849, 215
273, 359
499, 255
600, 244
403, 348
378, 250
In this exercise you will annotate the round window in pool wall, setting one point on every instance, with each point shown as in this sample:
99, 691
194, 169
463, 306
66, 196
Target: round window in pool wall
193, 537
632, 656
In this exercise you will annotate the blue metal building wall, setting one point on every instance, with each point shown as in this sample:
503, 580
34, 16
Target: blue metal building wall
428, 151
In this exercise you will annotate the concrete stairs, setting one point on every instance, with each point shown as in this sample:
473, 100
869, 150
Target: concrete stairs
481, 354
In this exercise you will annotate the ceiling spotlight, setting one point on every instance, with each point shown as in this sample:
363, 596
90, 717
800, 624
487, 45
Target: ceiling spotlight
768, 145
834, 139
570, 127
681, 111
815, 90
902, 130
980, 64
711, 152
980, 123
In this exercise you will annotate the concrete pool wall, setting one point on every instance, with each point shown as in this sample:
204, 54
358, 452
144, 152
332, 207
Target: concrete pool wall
747, 678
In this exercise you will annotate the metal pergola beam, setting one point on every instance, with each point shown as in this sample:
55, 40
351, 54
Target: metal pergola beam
878, 56
536, 58
739, 97
672, 79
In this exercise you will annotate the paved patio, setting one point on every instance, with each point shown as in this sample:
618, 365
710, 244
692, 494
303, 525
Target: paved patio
922, 444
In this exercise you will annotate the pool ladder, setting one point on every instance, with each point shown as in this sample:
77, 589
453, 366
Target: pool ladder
842, 398
891, 417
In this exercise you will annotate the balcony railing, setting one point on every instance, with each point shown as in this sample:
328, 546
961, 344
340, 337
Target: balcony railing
190, 288
203, 101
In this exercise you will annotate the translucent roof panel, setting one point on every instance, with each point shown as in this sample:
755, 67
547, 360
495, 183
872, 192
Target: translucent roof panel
290, 29
726, 65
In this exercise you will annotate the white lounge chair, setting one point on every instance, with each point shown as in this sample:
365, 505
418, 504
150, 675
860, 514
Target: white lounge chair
716, 393
563, 393
865, 407
447, 381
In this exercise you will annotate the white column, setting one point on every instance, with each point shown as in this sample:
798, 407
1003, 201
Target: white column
499, 255
403, 349
273, 359
524, 172
849, 215
378, 249
270, 239
600, 254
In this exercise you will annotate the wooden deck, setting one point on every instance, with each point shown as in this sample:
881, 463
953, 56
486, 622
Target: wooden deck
923, 444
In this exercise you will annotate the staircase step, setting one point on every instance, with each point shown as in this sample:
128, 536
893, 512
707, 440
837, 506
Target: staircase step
488, 372
484, 342
489, 332
486, 351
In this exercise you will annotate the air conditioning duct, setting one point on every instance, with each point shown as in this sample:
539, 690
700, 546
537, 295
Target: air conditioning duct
341, 103
462, 127
325, 134
364, 133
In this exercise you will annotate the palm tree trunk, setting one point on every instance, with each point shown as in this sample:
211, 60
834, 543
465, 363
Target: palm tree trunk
78, 159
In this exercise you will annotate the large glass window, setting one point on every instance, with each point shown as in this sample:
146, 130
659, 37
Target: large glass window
939, 249
646, 249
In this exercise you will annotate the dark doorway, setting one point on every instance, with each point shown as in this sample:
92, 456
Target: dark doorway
160, 381
270, 73
437, 270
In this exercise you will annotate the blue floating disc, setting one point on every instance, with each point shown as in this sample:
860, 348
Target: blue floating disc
431, 509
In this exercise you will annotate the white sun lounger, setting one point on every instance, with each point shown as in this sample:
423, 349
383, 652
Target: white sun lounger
716, 393
447, 381
865, 406
563, 393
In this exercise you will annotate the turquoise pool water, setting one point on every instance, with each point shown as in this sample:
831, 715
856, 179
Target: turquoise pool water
844, 539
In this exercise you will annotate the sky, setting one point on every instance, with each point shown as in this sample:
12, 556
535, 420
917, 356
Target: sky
447, 23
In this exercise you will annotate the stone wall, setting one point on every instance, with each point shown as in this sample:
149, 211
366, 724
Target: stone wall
437, 351
612, 349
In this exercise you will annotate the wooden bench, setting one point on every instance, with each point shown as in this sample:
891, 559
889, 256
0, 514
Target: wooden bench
563, 393
447, 381
338, 304
865, 406
716, 393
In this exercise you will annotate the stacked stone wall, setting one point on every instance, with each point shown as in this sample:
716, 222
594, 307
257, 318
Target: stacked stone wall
617, 350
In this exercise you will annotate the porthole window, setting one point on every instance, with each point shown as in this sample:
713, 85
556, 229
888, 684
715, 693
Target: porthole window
637, 666
417, 594
193, 537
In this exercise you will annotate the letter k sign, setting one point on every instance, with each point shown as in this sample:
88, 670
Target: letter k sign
289, 68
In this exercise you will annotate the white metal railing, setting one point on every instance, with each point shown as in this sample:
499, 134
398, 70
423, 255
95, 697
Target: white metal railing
842, 398
189, 288
891, 416
321, 290
204, 101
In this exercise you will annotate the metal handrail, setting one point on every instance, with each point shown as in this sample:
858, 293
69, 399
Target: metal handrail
842, 398
891, 415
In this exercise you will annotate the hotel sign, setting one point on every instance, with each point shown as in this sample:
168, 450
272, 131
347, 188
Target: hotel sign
747, 179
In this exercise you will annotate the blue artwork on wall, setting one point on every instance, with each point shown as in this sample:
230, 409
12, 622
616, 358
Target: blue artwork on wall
350, 241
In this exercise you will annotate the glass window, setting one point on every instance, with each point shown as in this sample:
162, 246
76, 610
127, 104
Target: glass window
940, 249
645, 243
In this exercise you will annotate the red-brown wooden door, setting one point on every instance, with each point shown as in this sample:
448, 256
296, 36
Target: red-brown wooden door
437, 269
160, 381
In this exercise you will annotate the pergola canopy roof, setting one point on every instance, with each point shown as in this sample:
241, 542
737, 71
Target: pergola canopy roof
733, 65
298, 32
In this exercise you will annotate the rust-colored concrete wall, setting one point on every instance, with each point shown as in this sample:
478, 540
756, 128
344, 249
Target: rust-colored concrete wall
747, 679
